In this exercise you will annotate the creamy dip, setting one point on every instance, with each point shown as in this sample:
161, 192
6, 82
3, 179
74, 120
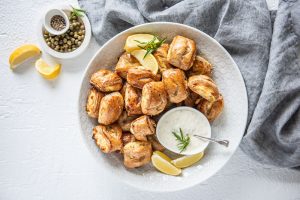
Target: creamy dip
191, 121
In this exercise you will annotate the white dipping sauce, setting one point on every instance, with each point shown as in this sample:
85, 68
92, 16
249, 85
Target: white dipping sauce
191, 121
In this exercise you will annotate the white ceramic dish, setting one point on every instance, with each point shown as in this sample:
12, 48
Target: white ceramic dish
68, 55
230, 125
191, 121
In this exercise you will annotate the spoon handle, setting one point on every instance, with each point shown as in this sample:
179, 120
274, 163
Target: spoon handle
221, 142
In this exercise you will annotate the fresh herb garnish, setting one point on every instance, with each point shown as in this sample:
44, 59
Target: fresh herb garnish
77, 12
183, 140
152, 45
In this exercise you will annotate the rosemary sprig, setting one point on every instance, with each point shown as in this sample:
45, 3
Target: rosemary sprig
77, 12
183, 140
151, 46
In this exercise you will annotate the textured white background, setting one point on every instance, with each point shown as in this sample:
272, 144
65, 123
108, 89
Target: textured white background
42, 155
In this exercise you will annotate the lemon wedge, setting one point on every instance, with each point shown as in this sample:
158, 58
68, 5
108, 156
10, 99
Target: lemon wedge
132, 44
164, 156
46, 70
164, 166
187, 161
149, 62
22, 53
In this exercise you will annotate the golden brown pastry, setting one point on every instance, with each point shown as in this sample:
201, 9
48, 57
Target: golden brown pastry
123, 89
106, 81
124, 121
211, 109
200, 67
156, 146
133, 97
161, 56
204, 86
142, 126
192, 99
111, 107
175, 84
93, 103
137, 154
182, 52
126, 61
154, 98
127, 137
139, 76
108, 138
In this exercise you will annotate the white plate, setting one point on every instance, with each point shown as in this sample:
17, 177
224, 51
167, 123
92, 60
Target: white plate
230, 125
68, 55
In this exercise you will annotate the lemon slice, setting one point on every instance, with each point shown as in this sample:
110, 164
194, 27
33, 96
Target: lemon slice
132, 44
187, 161
23, 53
149, 62
164, 166
164, 156
46, 70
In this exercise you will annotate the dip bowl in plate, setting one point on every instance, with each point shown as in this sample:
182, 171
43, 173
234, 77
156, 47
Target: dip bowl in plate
229, 125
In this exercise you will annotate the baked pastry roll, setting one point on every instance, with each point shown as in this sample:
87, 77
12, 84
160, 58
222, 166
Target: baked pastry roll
175, 84
106, 81
154, 98
126, 61
200, 67
124, 121
139, 76
161, 56
182, 52
93, 103
127, 137
211, 109
133, 98
142, 126
137, 154
108, 138
156, 146
204, 86
192, 99
111, 108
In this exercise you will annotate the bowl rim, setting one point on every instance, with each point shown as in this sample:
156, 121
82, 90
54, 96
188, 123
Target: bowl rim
68, 55
186, 186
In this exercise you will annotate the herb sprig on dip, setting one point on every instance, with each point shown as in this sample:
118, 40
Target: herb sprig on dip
182, 139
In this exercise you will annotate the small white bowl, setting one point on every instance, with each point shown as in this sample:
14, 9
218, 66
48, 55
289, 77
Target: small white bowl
191, 121
66, 9
47, 21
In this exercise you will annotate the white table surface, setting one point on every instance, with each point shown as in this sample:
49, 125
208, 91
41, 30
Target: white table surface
42, 155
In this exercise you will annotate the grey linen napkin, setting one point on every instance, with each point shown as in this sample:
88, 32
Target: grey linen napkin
244, 28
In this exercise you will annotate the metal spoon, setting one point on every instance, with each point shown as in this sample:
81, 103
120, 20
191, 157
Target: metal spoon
221, 142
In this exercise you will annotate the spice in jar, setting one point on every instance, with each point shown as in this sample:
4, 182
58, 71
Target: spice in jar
58, 22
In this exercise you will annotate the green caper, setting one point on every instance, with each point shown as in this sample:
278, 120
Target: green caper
52, 40
79, 43
56, 38
71, 33
82, 27
48, 43
69, 43
75, 35
65, 40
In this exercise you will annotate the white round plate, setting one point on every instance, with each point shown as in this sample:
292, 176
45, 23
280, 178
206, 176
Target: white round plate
230, 125
67, 55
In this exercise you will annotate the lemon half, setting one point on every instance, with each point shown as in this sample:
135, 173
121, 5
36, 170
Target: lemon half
164, 166
47, 71
149, 62
187, 161
132, 44
23, 53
